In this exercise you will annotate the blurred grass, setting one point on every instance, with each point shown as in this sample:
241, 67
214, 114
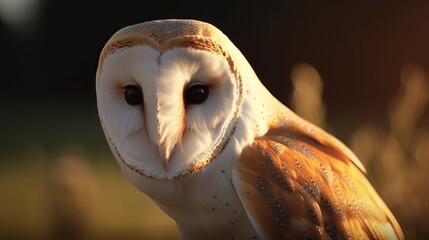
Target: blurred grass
397, 155
87, 202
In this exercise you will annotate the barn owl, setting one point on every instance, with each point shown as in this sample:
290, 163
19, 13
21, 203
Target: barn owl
192, 126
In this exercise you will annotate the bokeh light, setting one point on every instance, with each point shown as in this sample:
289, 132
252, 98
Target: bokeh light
20, 15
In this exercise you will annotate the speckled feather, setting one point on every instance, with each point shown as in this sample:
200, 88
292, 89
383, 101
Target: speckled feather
297, 186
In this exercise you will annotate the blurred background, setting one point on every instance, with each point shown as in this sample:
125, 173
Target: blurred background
359, 70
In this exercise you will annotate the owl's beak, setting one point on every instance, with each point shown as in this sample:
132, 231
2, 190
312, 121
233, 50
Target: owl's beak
164, 155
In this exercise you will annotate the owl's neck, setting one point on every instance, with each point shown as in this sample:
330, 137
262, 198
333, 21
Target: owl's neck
261, 110
204, 204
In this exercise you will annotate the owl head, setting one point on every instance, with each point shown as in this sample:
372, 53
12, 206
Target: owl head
171, 95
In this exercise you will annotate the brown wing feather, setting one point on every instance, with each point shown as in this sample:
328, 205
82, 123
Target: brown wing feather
295, 187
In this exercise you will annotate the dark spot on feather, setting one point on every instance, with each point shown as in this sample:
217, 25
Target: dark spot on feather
325, 172
351, 183
260, 188
268, 157
351, 208
339, 211
279, 216
348, 236
290, 141
311, 189
326, 204
314, 189
282, 178
314, 214
307, 152
356, 205
259, 148
276, 148
297, 163
330, 230
338, 191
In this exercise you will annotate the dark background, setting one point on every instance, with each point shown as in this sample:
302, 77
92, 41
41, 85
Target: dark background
358, 48
48, 64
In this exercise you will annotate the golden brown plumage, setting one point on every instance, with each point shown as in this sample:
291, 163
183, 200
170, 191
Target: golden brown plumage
296, 181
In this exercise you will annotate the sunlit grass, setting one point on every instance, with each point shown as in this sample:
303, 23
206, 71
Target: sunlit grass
70, 198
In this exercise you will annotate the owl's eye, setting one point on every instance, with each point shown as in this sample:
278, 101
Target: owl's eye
133, 95
196, 94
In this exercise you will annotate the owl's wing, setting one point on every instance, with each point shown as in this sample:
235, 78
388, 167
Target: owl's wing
293, 183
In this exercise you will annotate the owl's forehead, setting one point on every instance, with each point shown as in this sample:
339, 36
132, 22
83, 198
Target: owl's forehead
164, 35
162, 30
